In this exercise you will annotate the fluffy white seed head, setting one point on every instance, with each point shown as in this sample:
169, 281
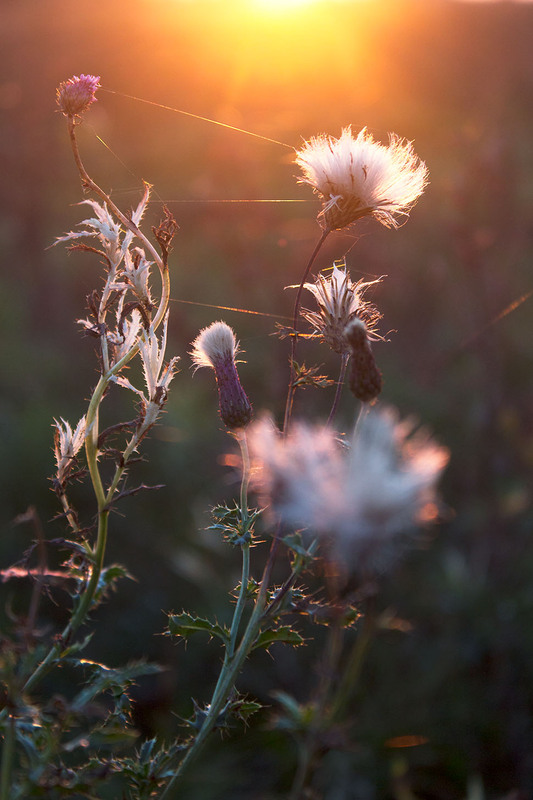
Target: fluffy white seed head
213, 344
357, 177
361, 497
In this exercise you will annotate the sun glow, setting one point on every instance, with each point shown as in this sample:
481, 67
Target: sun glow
282, 5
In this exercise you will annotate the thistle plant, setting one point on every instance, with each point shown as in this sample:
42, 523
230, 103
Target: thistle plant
356, 177
352, 503
126, 321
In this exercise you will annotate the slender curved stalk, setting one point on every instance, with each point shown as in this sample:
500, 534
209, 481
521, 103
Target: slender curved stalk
340, 383
88, 183
81, 611
8, 751
245, 479
120, 470
294, 339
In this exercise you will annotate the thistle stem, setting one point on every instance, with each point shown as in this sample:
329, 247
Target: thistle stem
8, 751
88, 183
241, 601
340, 383
294, 339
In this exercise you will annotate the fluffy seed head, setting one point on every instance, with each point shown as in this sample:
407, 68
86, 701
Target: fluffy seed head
361, 498
213, 344
358, 177
216, 347
75, 95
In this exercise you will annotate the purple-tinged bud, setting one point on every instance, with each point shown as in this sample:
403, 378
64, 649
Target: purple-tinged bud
216, 347
365, 379
76, 95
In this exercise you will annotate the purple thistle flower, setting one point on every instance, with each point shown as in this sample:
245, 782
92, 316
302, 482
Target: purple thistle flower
76, 95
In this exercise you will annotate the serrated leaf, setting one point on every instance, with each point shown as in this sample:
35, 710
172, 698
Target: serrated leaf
245, 708
285, 634
184, 625
145, 753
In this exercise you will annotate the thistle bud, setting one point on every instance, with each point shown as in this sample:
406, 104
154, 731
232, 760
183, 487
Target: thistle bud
76, 95
365, 379
216, 347
339, 301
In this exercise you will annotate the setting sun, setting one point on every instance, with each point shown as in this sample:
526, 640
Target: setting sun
282, 5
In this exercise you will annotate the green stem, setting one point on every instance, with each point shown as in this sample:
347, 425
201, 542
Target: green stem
81, 611
245, 574
8, 751
119, 472
245, 480
239, 608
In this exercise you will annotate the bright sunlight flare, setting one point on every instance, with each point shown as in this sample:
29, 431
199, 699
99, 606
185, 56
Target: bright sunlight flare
281, 5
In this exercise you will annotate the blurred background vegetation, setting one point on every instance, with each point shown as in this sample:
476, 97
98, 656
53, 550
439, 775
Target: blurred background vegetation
458, 79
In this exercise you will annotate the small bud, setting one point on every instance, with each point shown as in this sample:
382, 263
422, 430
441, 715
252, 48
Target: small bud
76, 95
216, 347
365, 379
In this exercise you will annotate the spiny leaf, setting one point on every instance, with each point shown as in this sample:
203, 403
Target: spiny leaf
284, 634
243, 709
184, 625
